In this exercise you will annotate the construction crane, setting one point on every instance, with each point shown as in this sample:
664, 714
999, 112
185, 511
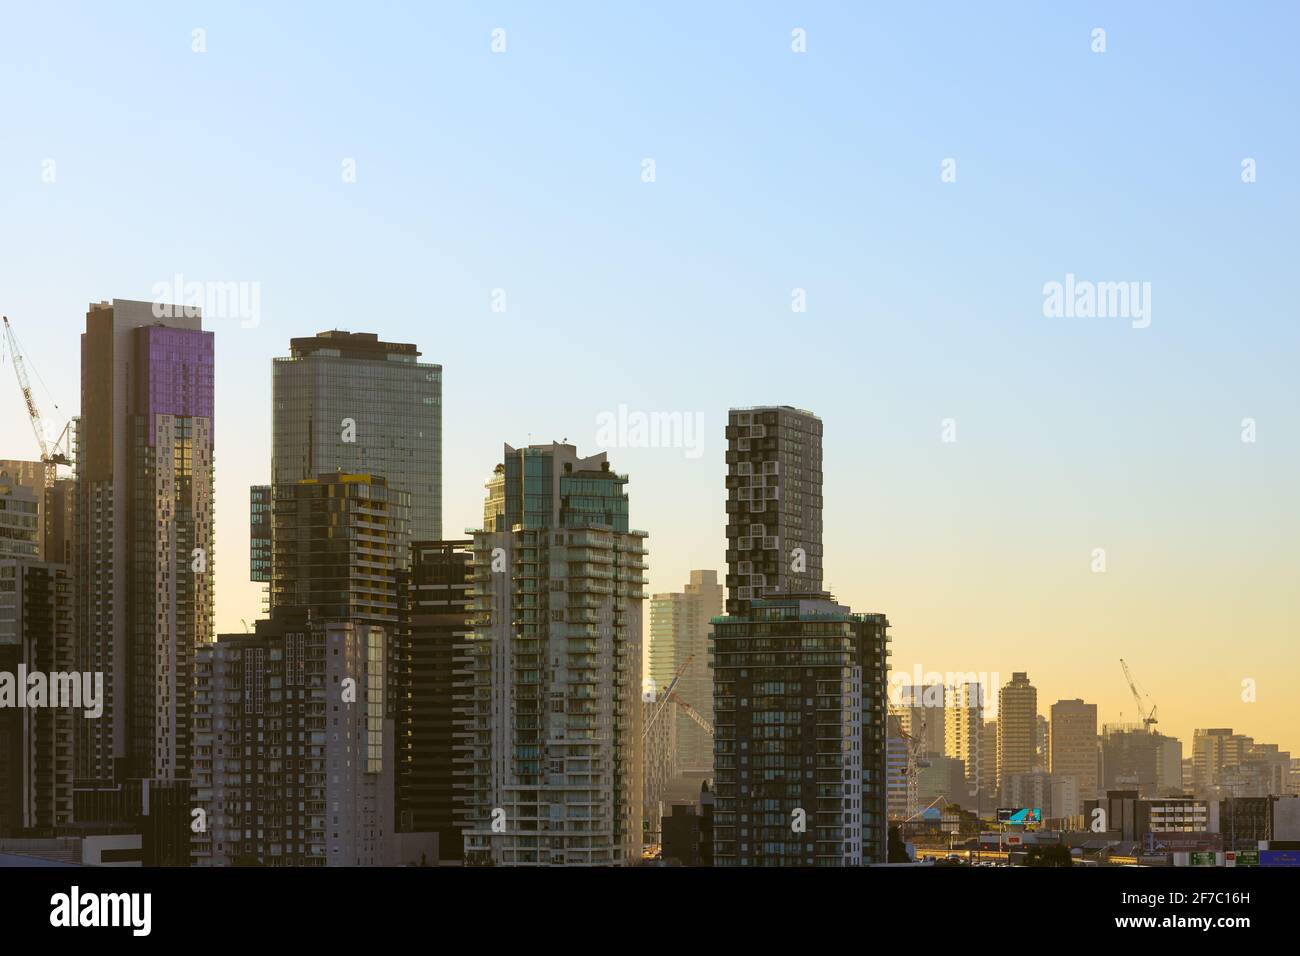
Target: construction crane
50, 456
663, 701
694, 714
1148, 718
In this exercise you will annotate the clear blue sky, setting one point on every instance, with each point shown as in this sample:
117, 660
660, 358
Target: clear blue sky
775, 170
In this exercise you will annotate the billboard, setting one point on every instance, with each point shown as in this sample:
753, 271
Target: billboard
1279, 857
1020, 815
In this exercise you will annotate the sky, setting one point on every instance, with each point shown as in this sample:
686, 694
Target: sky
382, 168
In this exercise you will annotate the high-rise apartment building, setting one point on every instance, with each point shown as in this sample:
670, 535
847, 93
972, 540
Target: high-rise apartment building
900, 791
55, 505
1017, 727
339, 543
293, 754
660, 750
800, 682
987, 796
964, 736
143, 543
348, 402
921, 710
431, 694
679, 641
1235, 765
800, 707
557, 709
1135, 758
1042, 743
774, 504
26, 482
36, 759
1213, 750
1073, 750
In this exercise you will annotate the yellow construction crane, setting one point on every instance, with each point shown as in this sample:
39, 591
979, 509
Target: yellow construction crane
50, 456
663, 701
694, 714
1148, 717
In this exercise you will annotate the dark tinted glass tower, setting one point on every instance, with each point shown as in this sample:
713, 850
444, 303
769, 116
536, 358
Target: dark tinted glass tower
348, 402
431, 694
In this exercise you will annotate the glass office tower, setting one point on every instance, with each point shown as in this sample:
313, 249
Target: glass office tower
347, 402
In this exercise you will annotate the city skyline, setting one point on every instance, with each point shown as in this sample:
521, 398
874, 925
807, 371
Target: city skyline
924, 297
231, 615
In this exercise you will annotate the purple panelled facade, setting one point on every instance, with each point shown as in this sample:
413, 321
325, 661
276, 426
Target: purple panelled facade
177, 366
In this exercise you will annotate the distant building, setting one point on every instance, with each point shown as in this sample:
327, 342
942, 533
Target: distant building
964, 741
922, 713
988, 768
1135, 758
897, 755
1162, 823
1042, 743
942, 777
1227, 764
661, 749
1073, 744
1056, 795
1017, 726
680, 629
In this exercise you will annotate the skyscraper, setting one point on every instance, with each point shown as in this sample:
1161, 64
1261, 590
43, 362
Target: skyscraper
800, 709
432, 693
679, 633
799, 681
1017, 727
348, 402
143, 541
1134, 757
921, 712
339, 542
1074, 750
774, 504
964, 738
557, 715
